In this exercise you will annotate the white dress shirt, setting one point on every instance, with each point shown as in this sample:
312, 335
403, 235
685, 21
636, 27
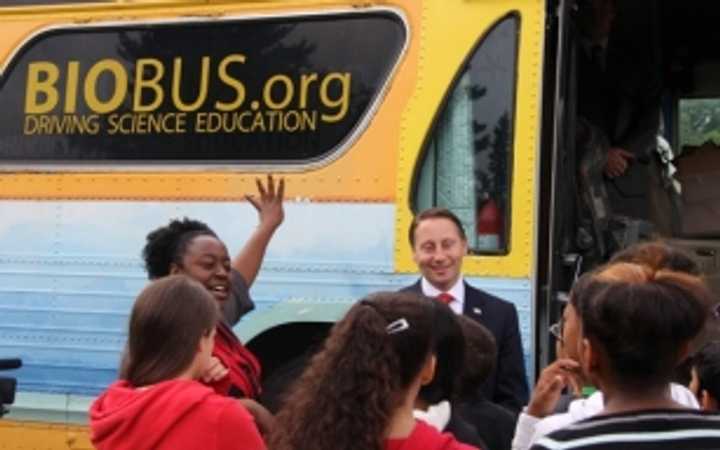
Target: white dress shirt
457, 291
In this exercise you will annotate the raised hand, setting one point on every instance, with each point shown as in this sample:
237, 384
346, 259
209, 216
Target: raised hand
269, 202
553, 379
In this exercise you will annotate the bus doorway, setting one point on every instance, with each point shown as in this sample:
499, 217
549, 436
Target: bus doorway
635, 150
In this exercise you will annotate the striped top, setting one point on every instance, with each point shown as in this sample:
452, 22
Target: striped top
645, 430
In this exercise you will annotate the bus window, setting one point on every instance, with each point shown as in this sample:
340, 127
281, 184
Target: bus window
467, 160
266, 90
699, 121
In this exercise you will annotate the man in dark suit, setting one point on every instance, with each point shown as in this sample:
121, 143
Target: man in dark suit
439, 244
619, 92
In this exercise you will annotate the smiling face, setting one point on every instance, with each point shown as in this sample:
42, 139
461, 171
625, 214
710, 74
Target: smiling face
206, 260
438, 251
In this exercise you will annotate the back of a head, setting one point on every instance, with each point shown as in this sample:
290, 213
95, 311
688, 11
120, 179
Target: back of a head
707, 367
641, 318
167, 321
657, 255
449, 349
344, 399
166, 245
480, 355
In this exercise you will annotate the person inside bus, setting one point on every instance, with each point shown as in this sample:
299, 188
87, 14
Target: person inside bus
191, 248
494, 424
359, 390
542, 416
706, 376
637, 324
158, 403
619, 91
437, 401
439, 244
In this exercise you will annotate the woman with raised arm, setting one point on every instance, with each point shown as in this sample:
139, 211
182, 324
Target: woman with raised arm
158, 404
191, 248
360, 389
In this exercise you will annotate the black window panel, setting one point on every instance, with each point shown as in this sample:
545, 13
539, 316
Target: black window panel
309, 82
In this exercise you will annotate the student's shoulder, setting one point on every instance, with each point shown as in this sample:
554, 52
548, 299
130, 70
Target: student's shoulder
426, 437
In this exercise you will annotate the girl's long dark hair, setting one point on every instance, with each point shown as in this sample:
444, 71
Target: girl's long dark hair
346, 396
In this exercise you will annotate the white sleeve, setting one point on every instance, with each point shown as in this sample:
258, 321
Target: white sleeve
437, 415
551, 423
524, 431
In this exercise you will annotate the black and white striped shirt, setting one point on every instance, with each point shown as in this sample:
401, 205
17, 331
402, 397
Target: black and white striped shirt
645, 430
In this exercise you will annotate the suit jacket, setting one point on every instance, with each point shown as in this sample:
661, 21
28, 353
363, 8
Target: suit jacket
507, 384
623, 98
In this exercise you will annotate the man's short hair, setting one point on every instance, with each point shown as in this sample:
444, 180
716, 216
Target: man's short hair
435, 213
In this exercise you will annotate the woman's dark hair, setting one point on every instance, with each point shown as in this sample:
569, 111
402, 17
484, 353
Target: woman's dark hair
166, 245
346, 396
641, 318
167, 321
480, 356
449, 348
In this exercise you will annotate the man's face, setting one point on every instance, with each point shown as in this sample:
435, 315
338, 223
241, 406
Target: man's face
438, 251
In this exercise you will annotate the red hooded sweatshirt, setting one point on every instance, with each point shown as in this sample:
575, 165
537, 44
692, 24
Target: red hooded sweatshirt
172, 415
425, 437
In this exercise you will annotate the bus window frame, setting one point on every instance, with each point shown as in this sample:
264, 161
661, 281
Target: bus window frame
441, 109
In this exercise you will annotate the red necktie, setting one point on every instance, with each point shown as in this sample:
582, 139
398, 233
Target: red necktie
445, 298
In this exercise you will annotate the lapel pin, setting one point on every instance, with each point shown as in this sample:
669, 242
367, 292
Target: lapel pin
477, 311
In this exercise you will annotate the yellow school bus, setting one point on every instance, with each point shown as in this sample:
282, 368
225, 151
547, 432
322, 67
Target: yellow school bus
119, 115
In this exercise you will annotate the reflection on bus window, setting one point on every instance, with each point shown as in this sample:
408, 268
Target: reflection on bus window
466, 165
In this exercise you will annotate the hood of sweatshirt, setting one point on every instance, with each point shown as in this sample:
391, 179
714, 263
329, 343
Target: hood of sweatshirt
123, 416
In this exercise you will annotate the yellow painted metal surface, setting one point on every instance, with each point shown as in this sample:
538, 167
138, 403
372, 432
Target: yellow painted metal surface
438, 64
42, 436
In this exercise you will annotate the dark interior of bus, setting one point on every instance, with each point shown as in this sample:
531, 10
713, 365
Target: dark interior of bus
667, 55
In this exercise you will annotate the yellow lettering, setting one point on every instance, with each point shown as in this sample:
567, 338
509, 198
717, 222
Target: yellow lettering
31, 125
232, 82
120, 88
152, 84
305, 82
241, 122
258, 122
203, 88
35, 86
342, 102
71, 85
289, 91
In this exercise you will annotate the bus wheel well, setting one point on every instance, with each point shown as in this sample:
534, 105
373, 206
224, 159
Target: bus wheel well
283, 352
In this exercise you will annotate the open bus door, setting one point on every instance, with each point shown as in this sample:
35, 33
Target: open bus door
557, 263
